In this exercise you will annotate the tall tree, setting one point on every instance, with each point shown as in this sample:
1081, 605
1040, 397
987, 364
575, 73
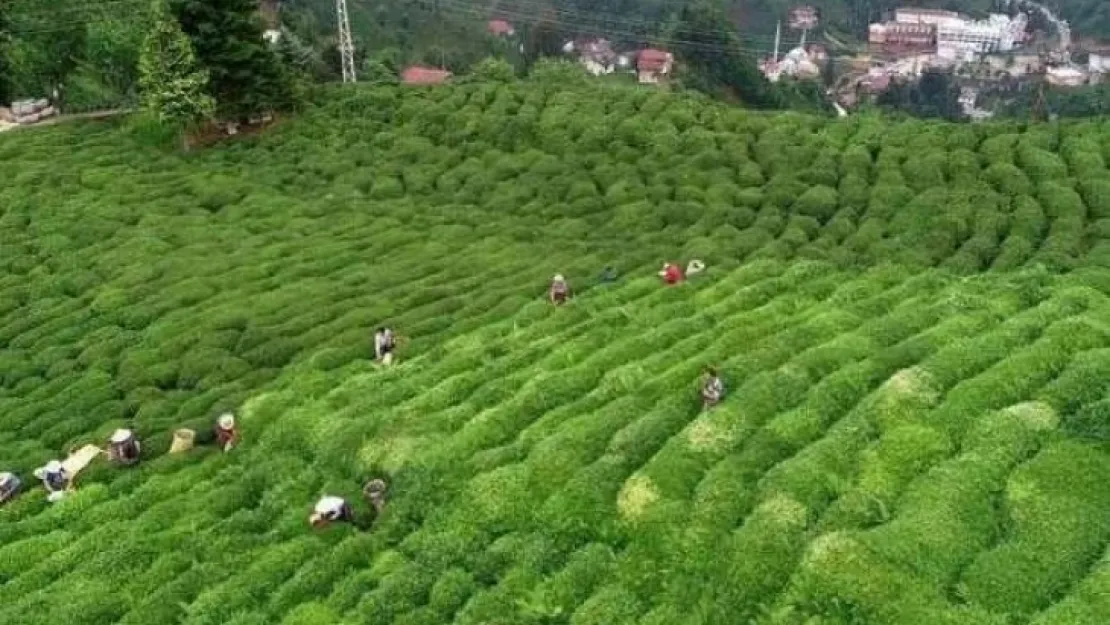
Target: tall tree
45, 46
936, 94
245, 74
173, 85
5, 41
542, 37
713, 57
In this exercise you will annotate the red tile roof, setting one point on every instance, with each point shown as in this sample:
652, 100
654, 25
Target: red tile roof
417, 75
653, 60
500, 27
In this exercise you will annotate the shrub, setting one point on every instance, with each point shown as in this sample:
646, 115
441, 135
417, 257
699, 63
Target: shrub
819, 202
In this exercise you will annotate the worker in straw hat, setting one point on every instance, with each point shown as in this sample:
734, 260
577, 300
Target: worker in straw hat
671, 273
559, 291
123, 448
712, 389
331, 509
55, 479
227, 435
384, 344
9, 486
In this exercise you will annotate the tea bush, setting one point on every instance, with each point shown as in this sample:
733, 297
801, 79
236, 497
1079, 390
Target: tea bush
911, 319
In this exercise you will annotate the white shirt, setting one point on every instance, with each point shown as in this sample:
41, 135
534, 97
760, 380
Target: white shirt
383, 339
329, 507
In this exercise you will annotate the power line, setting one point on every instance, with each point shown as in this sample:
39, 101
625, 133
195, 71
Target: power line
532, 9
464, 8
73, 17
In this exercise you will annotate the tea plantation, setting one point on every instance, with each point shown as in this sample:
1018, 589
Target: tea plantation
912, 321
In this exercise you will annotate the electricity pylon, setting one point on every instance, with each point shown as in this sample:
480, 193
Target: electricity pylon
346, 44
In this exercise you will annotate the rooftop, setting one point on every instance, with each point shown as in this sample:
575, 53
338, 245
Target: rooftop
499, 27
653, 60
419, 75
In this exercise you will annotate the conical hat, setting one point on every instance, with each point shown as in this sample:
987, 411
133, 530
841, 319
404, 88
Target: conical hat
121, 435
558, 278
53, 466
227, 421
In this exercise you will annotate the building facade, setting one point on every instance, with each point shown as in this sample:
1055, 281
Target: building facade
898, 36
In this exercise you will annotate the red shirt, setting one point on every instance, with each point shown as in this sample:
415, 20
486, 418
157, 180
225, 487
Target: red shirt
672, 274
223, 437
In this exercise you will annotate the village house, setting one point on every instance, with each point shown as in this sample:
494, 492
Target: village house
896, 37
799, 63
948, 33
1099, 62
596, 55
500, 28
875, 81
803, 18
420, 75
652, 65
1065, 76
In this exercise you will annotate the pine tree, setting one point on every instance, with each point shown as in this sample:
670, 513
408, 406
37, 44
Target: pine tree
5, 69
173, 86
246, 77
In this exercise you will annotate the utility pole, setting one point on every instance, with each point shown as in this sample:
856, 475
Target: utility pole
346, 44
778, 32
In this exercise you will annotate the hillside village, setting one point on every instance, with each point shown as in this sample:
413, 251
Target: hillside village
1028, 44
596, 55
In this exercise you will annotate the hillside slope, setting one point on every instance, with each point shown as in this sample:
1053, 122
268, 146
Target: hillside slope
912, 320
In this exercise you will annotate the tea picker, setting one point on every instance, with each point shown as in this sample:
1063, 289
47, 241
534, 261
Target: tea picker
329, 510
9, 486
671, 273
55, 479
608, 275
712, 389
123, 448
559, 291
227, 435
384, 344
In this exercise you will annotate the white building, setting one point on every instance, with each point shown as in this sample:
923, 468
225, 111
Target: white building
934, 17
964, 40
798, 63
596, 56
1098, 63
961, 39
1065, 76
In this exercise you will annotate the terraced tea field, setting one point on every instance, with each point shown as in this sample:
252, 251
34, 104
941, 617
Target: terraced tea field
911, 319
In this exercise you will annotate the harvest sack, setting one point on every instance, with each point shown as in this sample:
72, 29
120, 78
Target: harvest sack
78, 460
183, 440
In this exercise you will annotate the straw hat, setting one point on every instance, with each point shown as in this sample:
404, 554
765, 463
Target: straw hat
53, 466
558, 278
120, 436
227, 421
